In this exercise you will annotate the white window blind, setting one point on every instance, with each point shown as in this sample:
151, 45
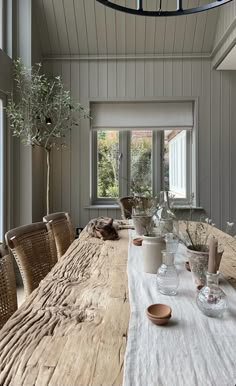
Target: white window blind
143, 115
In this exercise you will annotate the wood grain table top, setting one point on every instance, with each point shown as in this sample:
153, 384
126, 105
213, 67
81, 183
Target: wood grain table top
72, 330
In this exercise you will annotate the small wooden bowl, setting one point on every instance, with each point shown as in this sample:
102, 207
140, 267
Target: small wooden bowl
159, 311
138, 241
159, 322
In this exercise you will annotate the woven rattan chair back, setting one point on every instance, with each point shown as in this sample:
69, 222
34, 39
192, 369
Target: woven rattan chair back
34, 249
126, 205
62, 229
8, 297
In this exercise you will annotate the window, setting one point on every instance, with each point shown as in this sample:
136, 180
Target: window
141, 160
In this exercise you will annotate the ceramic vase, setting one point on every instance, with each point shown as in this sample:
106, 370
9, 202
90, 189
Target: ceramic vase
152, 248
198, 261
143, 224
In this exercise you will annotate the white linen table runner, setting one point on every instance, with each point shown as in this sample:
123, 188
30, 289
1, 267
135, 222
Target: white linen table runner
192, 349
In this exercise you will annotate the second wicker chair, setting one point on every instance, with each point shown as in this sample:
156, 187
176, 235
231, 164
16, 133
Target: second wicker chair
33, 247
8, 298
62, 229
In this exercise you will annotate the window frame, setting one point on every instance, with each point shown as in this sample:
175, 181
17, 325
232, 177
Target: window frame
157, 166
192, 152
3, 167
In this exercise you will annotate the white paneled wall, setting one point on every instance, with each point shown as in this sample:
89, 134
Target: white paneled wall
143, 79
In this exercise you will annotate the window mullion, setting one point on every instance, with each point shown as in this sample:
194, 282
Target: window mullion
157, 164
124, 163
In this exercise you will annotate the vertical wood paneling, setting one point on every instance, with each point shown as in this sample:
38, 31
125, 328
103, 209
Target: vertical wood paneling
232, 182
71, 27
100, 22
84, 145
159, 78
140, 31
120, 31
91, 27
168, 77
190, 29
215, 147
75, 153
102, 78
139, 73
93, 78
112, 80
148, 78
130, 78
56, 171
121, 80
111, 30
81, 27
140, 79
130, 30
51, 25
177, 77
61, 27
66, 150
187, 77
42, 26
225, 149
204, 135
150, 28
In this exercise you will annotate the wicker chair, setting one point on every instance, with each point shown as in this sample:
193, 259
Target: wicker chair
34, 249
126, 205
8, 297
62, 229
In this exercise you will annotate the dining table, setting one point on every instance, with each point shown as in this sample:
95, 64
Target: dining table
74, 328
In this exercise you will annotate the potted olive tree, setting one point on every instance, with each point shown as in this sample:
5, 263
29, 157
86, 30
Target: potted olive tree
41, 111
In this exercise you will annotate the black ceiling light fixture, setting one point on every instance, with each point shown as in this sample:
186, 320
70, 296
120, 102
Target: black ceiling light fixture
180, 10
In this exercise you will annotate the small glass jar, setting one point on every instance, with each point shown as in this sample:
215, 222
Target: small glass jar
167, 276
211, 300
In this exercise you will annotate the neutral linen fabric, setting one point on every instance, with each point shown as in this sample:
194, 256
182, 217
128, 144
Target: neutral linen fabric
192, 349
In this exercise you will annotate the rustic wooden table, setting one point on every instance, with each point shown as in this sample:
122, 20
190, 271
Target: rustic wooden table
72, 330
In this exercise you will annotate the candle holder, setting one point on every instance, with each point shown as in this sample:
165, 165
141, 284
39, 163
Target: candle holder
211, 300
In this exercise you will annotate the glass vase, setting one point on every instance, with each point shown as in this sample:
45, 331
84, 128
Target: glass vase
211, 300
165, 216
167, 276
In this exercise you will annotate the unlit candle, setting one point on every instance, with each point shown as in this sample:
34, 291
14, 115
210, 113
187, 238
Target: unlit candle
213, 246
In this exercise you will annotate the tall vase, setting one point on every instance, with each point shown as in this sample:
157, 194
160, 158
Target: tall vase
165, 216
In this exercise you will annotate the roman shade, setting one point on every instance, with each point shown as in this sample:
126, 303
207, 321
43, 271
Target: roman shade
126, 115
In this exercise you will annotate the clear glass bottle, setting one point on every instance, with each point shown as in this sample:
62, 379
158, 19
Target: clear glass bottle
165, 216
167, 276
211, 300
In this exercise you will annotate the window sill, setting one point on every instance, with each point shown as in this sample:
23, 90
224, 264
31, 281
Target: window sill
105, 206
187, 207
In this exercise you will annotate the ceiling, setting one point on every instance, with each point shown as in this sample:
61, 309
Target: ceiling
85, 27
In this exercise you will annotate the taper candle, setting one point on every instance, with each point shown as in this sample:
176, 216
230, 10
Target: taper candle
213, 247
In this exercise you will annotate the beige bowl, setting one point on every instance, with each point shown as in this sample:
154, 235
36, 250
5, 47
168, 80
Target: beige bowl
159, 311
159, 322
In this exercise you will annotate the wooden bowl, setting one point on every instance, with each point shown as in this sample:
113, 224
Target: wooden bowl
138, 241
159, 311
159, 322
